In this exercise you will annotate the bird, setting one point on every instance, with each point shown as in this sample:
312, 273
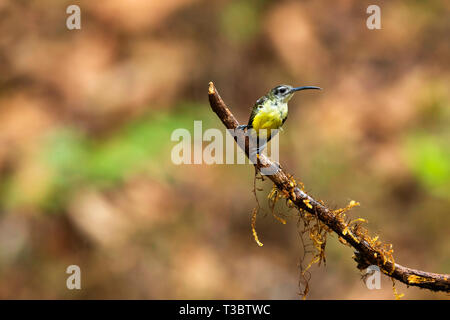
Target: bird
271, 111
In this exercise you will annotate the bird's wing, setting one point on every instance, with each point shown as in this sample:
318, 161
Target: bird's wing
259, 102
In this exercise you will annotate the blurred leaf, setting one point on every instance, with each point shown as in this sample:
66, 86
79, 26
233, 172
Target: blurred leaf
69, 159
429, 159
240, 20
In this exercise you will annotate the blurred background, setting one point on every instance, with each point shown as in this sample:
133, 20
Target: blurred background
86, 116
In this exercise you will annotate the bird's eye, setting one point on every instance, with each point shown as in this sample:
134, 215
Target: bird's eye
282, 90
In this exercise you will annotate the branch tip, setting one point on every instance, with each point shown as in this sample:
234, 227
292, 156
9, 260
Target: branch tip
211, 88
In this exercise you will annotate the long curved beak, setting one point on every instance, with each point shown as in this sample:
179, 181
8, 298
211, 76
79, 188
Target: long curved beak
304, 88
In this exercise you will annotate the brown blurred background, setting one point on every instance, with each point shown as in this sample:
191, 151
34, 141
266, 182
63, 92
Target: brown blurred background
86, 116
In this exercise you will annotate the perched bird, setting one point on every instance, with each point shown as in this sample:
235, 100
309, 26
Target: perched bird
271, 111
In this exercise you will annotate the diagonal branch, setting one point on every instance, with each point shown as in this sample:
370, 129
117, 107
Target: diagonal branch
367, 252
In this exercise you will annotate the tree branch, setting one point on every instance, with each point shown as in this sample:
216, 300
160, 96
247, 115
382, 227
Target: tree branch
369, 251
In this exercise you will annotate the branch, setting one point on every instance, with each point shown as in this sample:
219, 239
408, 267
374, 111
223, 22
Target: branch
369, 252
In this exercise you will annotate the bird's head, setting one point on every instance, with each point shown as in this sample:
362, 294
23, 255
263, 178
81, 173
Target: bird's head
284, 92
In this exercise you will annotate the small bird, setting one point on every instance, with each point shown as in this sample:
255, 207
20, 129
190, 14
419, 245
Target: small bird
271, 111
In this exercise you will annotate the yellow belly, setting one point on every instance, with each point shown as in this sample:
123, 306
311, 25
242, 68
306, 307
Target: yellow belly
267, 119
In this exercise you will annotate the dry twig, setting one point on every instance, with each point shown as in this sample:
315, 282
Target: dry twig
368, 252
